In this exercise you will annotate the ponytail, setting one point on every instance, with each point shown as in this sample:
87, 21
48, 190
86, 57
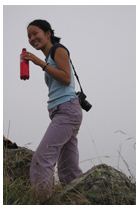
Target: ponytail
54, 39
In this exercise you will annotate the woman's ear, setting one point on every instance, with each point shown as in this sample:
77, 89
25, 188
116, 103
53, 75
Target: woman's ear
48, 34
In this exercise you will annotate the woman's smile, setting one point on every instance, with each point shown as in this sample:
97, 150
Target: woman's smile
35, 43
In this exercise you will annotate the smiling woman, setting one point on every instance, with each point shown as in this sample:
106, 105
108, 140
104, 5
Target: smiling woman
59, 144
102, 45
37, 38
46, 27
43, 39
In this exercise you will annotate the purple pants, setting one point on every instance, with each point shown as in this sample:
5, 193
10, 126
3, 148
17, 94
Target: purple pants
59, 145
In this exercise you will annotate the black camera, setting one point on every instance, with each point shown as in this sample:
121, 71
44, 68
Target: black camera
84, 104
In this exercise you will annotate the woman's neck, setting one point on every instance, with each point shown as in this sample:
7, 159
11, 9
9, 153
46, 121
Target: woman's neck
46, 49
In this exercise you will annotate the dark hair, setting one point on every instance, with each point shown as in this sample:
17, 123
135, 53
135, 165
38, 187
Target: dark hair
45, 26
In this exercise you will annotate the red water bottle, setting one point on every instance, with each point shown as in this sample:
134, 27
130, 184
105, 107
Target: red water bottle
24, 66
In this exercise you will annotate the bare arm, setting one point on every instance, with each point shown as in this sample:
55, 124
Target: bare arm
62, 74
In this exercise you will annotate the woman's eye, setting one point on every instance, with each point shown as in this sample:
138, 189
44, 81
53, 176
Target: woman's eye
34, 33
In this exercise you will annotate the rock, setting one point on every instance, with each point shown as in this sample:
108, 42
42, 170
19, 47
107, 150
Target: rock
101, 185
17, 163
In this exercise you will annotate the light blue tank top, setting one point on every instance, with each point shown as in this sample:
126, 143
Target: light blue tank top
58, 93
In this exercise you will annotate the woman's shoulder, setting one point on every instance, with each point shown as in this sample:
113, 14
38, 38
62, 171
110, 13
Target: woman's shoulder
54, 47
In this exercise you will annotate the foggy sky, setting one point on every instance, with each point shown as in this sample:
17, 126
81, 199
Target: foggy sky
102, 45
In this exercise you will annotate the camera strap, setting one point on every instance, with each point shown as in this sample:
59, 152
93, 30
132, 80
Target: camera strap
76, 76
52, 52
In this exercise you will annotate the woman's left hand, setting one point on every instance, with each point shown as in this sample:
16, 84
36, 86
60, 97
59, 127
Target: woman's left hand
31, 57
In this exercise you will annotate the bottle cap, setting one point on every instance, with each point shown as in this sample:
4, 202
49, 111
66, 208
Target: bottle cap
24, 49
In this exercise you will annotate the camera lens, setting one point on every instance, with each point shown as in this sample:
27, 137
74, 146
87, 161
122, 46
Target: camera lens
86, 105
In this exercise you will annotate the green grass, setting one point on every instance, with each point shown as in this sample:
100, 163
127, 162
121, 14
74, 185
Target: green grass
17, 193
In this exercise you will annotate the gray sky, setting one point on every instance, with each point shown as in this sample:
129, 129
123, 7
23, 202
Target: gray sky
102, 44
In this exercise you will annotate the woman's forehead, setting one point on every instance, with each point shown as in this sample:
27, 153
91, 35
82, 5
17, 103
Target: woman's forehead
32, 28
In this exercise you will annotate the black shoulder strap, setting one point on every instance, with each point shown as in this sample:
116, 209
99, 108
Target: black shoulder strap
52, 53
55, 46
76, 76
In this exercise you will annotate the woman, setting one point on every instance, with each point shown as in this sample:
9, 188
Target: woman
59, 144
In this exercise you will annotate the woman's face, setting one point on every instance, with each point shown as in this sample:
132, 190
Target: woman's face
37, 37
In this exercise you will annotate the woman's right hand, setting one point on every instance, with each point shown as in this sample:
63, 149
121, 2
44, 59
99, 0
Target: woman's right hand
31, 57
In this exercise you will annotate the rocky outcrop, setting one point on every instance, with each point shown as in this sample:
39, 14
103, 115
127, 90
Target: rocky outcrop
101, 185
17, 163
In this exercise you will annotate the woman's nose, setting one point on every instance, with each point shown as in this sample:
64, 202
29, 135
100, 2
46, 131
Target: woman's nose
32, 38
